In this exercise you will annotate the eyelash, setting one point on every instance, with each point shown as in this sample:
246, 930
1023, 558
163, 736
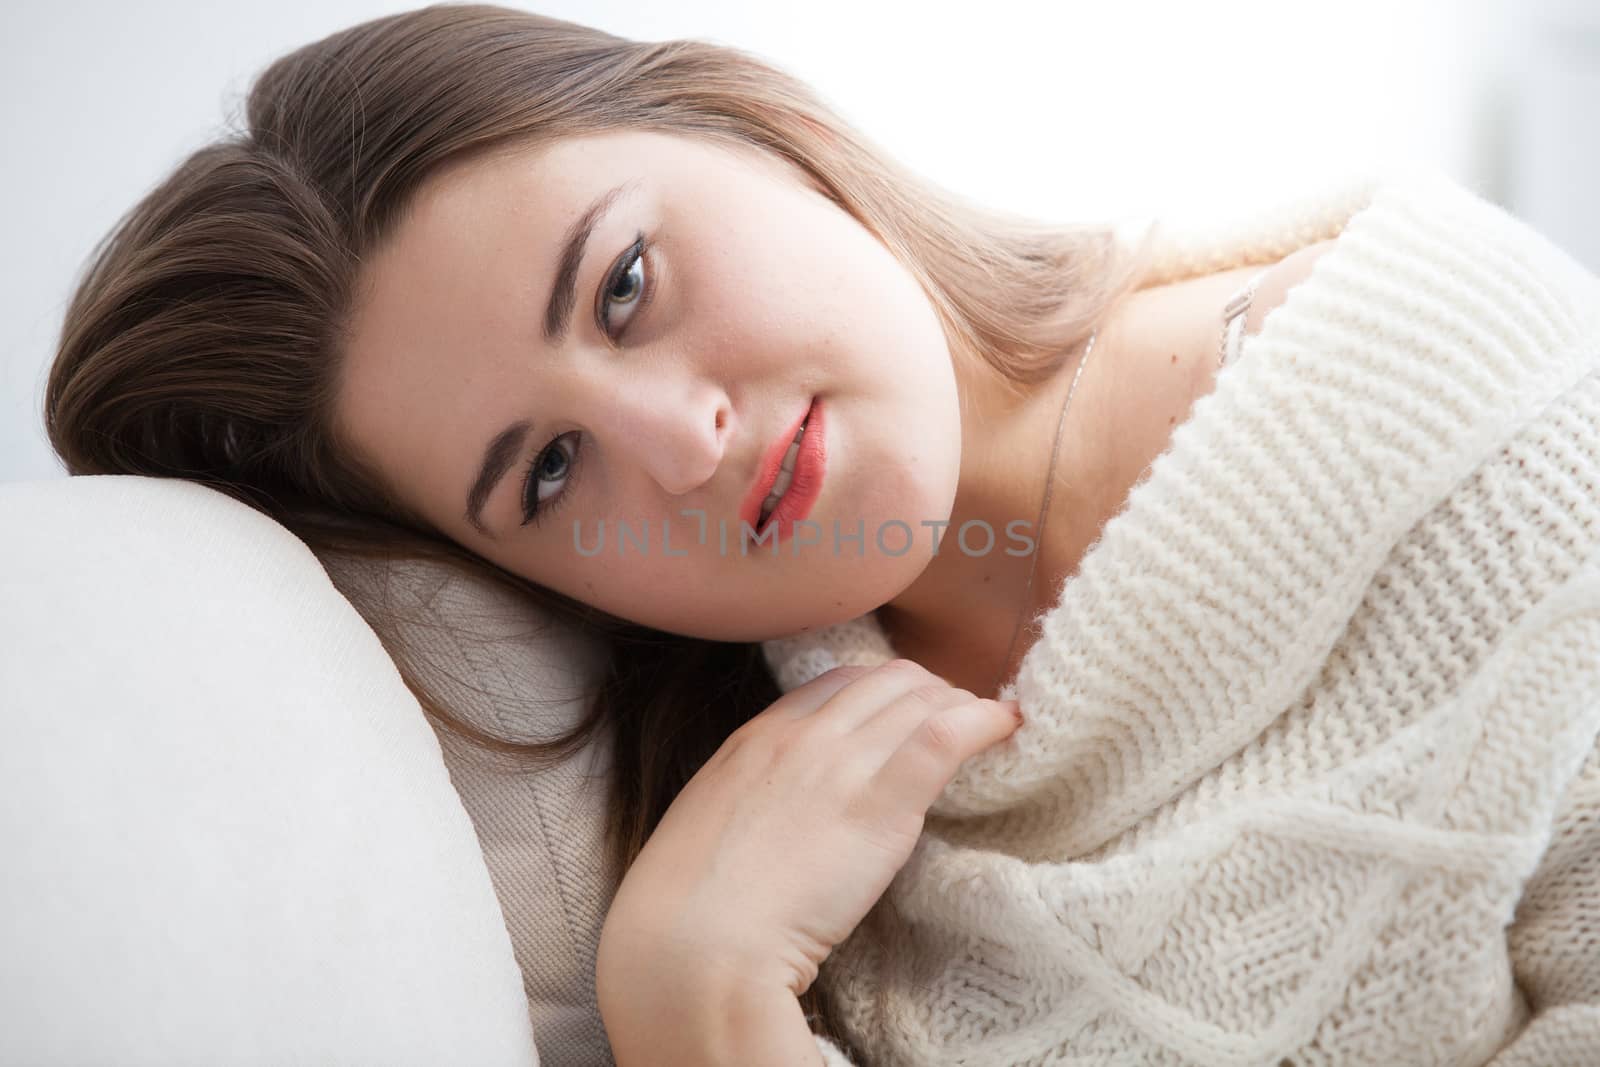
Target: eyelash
540, 512
534, 513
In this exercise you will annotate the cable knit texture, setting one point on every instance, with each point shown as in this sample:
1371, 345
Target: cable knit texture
1308, 772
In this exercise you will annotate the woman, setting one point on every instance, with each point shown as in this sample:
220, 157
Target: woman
520, 311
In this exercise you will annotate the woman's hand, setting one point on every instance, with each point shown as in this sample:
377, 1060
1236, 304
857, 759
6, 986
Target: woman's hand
779, 845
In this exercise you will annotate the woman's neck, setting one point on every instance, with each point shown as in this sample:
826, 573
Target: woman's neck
1154, 355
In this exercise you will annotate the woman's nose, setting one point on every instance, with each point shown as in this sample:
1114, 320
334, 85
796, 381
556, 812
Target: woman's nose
677, 430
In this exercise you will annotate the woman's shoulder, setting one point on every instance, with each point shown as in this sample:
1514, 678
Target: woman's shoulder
1274, 282
1265, 290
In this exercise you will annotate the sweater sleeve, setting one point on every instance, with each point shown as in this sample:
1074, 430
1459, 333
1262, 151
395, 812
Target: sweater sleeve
831, 1056
1554, 939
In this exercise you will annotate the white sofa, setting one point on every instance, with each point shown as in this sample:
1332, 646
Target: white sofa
230, 836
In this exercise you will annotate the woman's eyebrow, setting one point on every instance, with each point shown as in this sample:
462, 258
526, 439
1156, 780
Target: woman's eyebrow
563, 293
502, 451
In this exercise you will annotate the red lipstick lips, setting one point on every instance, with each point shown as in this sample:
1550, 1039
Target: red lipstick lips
805, 484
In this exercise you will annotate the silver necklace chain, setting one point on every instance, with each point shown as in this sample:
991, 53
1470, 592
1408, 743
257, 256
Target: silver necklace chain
1044, 510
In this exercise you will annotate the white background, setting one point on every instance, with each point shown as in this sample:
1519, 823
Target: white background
1068, 111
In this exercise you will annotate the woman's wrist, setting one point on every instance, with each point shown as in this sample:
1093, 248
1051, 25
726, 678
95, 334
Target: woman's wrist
706, 1022
667, 999
763, 1024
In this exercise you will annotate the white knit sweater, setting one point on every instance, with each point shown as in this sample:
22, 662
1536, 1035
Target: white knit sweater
1308, 773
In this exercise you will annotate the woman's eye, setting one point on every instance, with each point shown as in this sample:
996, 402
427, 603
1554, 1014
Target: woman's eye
553, 464
625, 289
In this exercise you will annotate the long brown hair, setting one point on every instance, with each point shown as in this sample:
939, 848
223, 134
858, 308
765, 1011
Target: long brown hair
205, 336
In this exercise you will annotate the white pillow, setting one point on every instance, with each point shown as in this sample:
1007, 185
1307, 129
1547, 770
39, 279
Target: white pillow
500, 661
228, 834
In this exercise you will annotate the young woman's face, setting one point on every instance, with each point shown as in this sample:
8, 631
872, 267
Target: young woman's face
655, 389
